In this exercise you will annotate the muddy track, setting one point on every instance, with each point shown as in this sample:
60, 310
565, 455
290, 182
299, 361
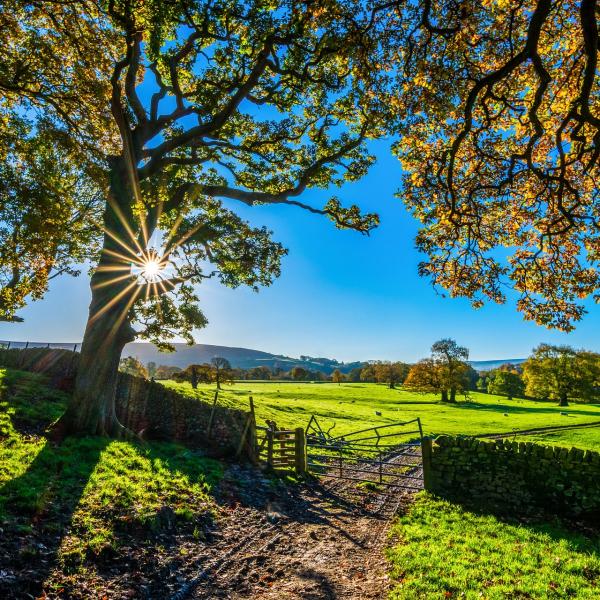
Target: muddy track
323, 539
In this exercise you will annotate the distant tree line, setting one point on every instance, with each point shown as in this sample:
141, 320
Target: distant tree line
551, 373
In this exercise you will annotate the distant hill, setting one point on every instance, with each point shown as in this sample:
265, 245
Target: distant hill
246, 358
241, 358
488, 365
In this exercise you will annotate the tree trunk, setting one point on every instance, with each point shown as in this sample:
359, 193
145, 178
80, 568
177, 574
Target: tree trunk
563, 400
452, 395
92, 407
444, 396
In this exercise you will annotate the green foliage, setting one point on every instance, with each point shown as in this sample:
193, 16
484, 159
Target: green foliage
444, 551
132, 366
506, 383
165, 161
562, 373
48, 211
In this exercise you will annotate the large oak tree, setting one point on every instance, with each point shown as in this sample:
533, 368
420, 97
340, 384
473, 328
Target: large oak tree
171, 111
174, 111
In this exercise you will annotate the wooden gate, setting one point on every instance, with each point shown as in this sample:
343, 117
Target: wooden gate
283, 449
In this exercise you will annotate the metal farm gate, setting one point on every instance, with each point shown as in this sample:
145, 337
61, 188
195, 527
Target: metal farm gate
384, 455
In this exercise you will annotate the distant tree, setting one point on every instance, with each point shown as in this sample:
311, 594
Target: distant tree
454, 371
562, 373
354, 375
221, 369
368, 374
132, 366
262, 372
299, 373
506, 383
472, 377
391, 373
166, 371
424, 377
512, 368
151, 368
195, 374
337, 376
317, 376
482, 383
445, 372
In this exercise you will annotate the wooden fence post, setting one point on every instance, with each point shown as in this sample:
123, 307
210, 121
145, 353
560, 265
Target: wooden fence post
300, 448
270, 436
252, 438
244, 435
212, 415
426, 453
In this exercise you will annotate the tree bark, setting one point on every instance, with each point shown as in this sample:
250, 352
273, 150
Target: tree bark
452, 395
444, 396
92, 407
563, 400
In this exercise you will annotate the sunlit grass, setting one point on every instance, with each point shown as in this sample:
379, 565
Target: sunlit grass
440, 551
95, 493
352, 406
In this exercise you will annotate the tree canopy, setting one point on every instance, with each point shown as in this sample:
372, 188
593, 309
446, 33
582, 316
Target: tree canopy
445, 372
562, 373
501, 147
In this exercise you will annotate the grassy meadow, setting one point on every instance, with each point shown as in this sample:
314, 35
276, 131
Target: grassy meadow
352, 406
440, 550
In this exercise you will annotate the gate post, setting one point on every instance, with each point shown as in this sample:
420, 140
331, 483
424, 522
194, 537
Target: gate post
270, 437
426, 452
300, 450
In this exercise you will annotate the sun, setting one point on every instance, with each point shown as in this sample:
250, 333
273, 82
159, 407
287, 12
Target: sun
151, 269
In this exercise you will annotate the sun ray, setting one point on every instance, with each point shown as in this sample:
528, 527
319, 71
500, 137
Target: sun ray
121, 242
118, 322
112, 301
112, 281
125, 223
113, 268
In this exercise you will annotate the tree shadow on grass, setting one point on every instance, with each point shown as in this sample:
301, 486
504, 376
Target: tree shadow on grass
36, 510
515, 408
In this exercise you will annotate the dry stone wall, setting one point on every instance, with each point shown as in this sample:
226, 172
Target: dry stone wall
514, 477
148, 408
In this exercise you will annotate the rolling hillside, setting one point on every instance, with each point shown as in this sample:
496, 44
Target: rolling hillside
242, 358
246, 358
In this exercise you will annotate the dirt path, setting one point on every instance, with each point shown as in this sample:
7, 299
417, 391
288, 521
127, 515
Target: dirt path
312, 541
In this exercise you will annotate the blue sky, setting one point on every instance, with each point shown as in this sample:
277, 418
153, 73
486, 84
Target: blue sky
340, 295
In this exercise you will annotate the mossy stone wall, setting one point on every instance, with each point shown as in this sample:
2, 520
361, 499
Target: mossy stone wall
146, 407
514, 477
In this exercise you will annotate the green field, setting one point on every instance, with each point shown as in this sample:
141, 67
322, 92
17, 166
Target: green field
352, 406
440, 550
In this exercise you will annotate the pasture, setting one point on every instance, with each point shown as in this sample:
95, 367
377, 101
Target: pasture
352, 406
